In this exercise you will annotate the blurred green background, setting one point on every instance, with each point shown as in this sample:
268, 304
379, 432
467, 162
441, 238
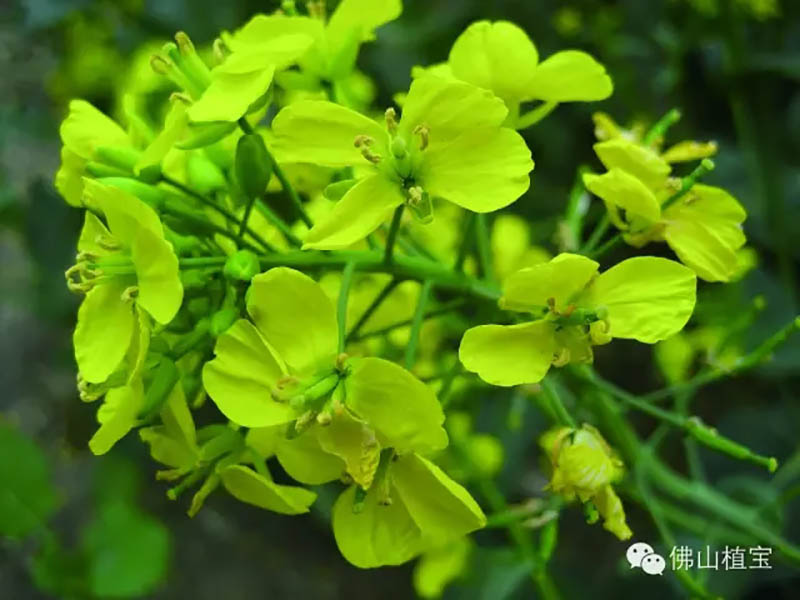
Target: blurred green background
732, 66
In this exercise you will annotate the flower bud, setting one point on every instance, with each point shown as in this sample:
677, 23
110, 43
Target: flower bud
242, 266
253, 165
222, 320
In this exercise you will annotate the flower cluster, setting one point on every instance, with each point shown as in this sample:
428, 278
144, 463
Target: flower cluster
262, 260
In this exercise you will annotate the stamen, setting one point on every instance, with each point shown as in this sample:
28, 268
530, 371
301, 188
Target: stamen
107, 242
185, 44
363, 143
423, 132
130, 294
220, 51
391, 120
160, 65
561, 357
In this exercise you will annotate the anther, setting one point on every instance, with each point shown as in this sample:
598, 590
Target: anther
129, 294
363, 143
220, 51
180, 97
391, 120
561, 357
185, 44
423, 132
107, 242
160, 65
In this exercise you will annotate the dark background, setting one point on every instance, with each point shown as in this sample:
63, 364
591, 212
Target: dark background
733, 72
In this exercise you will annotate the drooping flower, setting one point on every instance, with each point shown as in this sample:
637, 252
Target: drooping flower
643, 298
702, 226
125, 269
324, 416
499, 56
584, 466
448, 144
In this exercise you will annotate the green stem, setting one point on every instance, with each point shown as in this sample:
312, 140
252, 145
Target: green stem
392, 237
246, 217
687, 183
576, 209
551, 392
661, 126
278, 223
534, 116
745, 363
416, 323
597, 234
229, 216
379, 299
465, 244
484, 247
691, 425
212, 227
344, 293
607, 246
443, 309
286, 185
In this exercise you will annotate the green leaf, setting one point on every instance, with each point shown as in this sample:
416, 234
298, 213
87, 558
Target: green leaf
448, 108
439, 566
483, 169
403, 411
648, 298
295, 317
248, 486
355, 443
117, 416
379, 535
314, 131
85, 129
637, 160
561, 279
240, 378
704, 229
302, 457
128, 552
360, 16
508, 355
496, 56
568, 76
441, 508
620, 188
158, 276
27, 495
360, 212
103, 332
230, 95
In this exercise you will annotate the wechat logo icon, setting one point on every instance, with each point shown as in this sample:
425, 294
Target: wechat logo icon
642, 555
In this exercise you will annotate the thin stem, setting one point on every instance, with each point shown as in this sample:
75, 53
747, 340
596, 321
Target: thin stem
466, 242
286, 185
278, 223
551, 392
597, 234
246, 216
661, 126
229, 216
443, 309
484, 247
379, 299
577, 206
416, 323
745, 363
213, 227
392, 237
607, 246
537, 114
687, 183
344, 293
691, 425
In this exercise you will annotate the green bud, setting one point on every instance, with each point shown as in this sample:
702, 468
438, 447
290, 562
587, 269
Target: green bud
203, 175
118, 156
242, 266
164, 379
146, 192
205, 134
252, 165
150, 174
222, 320
338, 189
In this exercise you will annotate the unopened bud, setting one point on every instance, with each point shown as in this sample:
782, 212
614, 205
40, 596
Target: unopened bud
222, 320
242, 265
253, 165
